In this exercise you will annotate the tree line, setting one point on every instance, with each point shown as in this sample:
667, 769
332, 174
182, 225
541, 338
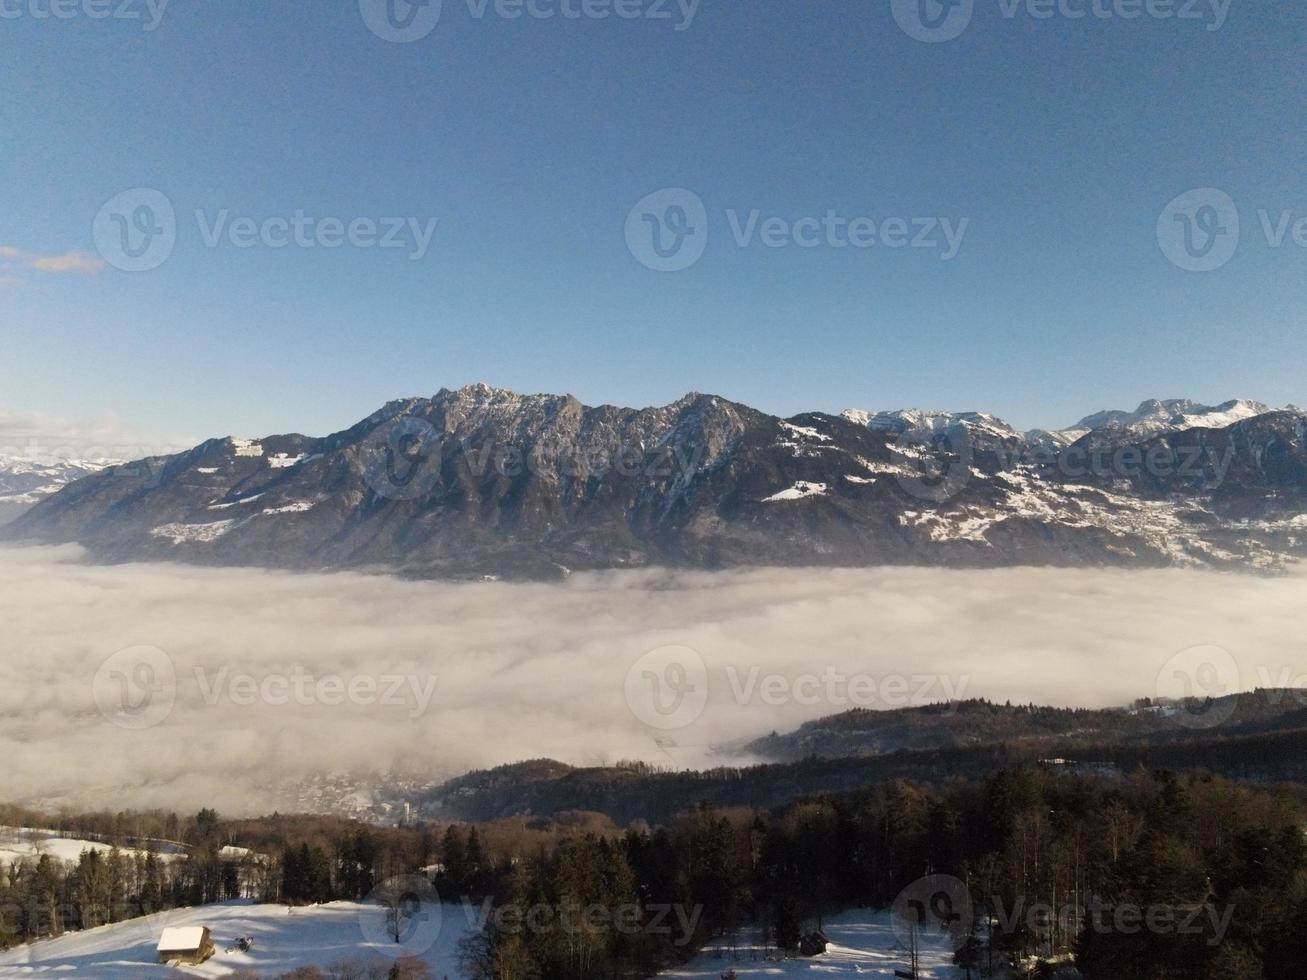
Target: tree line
1048, 863
1141, 878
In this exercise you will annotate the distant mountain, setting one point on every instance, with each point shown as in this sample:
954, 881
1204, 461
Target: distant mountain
915, 420
1153, 417
25, 481
482, 481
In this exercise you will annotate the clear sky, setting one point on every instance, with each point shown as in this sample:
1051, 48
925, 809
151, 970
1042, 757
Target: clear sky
1059, 140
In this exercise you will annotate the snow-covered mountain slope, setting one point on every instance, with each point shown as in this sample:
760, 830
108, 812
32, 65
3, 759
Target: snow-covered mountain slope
319, 935
482, 481
1157, 416
916, 420
1153, 417
25, 481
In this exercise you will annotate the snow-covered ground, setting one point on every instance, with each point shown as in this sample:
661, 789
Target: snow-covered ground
862, 944
315, 936
18, 843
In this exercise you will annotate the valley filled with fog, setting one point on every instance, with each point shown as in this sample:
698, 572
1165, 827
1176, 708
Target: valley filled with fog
278, 675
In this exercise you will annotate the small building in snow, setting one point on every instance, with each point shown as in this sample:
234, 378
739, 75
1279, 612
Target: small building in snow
190, 945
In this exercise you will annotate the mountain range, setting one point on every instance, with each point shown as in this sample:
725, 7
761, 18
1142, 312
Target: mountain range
25, 480
484, 482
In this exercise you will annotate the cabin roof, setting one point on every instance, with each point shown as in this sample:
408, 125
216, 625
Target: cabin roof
181, 938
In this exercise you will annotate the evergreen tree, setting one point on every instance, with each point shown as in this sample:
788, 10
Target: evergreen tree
453, 858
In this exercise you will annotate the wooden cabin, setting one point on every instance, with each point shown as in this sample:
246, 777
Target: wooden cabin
190, 945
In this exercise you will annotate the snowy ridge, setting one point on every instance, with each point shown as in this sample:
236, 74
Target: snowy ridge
534, 486
1174, 415
1153, 417
916, 420
27, 480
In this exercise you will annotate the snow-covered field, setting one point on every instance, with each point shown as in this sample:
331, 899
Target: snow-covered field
314, 936
862, 944
18, 843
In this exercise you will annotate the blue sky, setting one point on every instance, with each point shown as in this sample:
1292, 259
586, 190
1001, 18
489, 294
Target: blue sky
1060, 141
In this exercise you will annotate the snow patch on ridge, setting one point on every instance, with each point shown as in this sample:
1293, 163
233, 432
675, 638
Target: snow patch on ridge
194, 533
799, 491
805, 432
246, 447
298, 507
235, 503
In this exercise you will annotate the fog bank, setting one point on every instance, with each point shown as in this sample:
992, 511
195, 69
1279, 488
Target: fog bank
277, 674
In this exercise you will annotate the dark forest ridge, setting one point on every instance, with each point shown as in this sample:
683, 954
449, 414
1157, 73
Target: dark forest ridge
1258, 736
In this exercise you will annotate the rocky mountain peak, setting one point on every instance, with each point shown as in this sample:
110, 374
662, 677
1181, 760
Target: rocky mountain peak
528, 485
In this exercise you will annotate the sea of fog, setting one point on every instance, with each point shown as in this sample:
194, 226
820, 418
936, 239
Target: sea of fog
178, 686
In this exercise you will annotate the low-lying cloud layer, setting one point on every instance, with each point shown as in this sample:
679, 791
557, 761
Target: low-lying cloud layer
180, 686
46, 438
